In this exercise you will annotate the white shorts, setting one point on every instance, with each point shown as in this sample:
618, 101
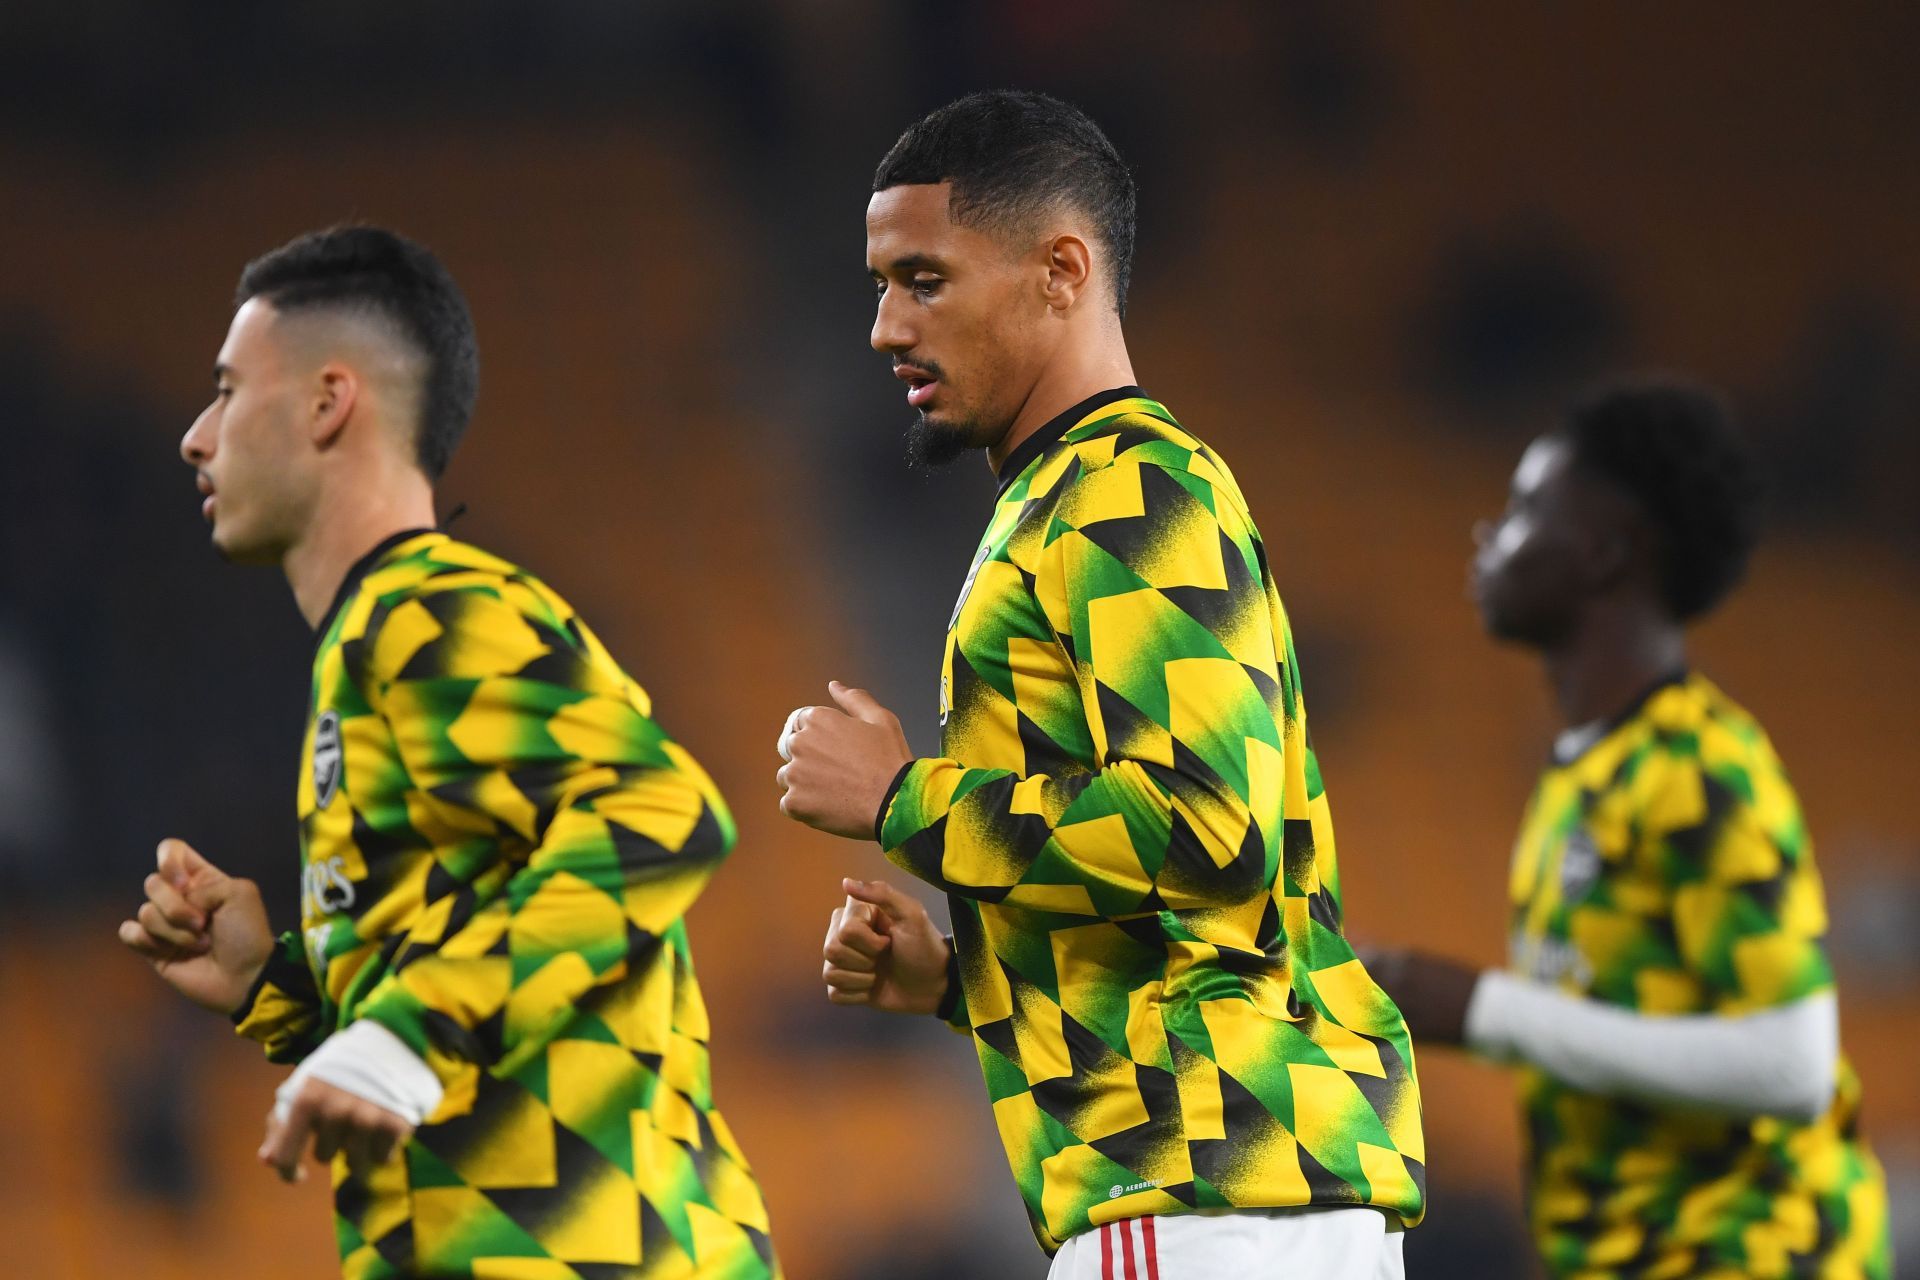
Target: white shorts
1281, 1244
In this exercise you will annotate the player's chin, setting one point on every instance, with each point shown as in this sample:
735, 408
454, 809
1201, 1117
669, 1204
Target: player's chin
1487, 592
1496, 624
236, 547
1511, 625
934, 440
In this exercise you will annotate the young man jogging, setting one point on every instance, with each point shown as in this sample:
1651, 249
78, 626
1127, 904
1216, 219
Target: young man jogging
501, 1045
1668, 1001
1191, 1073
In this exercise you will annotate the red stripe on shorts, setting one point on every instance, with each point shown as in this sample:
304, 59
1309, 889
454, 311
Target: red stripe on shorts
1151, 1249
1106, 1252
1126, 1247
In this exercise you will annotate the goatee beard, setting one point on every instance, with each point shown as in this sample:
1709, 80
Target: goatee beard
932, 445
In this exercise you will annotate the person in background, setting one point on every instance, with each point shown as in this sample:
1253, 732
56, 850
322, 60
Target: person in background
1667, 1001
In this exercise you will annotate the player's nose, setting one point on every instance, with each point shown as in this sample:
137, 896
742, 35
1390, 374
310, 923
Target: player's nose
197, 445
891, 333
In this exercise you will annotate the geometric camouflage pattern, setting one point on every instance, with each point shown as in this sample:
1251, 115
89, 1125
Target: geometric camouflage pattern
1667, 870
1131, 826
498, 845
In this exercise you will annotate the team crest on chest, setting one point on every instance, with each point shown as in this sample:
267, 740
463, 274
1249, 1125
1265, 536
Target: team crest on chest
966, 588
1579, 865
327, 758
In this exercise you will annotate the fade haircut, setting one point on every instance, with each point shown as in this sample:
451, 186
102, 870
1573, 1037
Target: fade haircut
1671, 446
1012, 156
379, 273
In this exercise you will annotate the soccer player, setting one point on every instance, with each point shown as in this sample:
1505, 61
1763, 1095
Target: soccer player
501, 1045
1190, 1071
1668, 1004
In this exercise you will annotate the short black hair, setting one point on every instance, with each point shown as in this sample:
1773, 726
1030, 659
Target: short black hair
1671, 445
371, 268
1012, 154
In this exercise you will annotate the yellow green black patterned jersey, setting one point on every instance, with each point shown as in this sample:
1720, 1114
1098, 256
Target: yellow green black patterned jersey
1667, 869
1131, 827
498, 846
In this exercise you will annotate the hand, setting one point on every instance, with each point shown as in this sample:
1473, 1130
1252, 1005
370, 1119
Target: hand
336, 1121
840, 763
883, 950
203, 931
1432, 991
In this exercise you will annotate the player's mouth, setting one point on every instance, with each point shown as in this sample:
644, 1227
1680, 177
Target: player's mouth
206, 487
921, 383
1479, 580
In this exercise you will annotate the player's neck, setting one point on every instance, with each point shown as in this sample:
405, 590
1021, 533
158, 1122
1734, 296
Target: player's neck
1076, 373
1610, 660
346, 529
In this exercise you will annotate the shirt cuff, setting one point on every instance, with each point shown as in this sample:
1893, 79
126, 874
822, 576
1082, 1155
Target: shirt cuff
886, 803
244, 1010
950, 1002
372, 1063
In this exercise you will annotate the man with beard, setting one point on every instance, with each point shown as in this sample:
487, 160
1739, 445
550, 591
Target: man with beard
1668, 1002
1190, 1071
501, 1046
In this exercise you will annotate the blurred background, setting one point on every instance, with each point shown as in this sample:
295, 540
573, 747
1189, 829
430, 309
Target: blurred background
1379, 243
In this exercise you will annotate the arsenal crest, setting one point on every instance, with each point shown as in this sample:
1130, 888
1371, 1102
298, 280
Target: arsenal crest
1579, 865
326, 758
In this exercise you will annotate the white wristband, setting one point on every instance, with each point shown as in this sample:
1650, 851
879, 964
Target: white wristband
372, 1063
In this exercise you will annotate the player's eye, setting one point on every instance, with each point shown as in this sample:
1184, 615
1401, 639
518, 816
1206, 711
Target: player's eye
927, 286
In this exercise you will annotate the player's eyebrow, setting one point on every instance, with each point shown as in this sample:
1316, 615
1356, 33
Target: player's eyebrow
918, 262
221, 372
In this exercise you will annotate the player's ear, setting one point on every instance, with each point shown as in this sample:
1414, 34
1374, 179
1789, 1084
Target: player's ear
1069, 270
1634, 551
336, 391
1619, 544
1610, 555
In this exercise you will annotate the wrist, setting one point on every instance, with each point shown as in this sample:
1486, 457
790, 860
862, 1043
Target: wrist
248, 981
250, 978
372, 1063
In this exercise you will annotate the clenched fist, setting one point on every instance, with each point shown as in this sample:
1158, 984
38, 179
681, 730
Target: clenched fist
883, 950
203, 931
840, 761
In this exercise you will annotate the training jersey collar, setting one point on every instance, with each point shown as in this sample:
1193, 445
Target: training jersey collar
361, 567
1037, 443
1573, 743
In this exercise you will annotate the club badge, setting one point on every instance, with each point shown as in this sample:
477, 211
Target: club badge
1579, 865
326, 758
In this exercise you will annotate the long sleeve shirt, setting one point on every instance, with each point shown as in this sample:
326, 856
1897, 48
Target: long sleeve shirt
498, 845
1664, 873
1131, 826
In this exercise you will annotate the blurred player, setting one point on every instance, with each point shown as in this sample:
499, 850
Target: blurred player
1191, 1073
1668, 1003
502, 1048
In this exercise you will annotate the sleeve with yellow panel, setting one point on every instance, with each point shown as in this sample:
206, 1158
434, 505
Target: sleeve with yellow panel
1720, 828
515, 737
283, 1012
529, 744
1185, 715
